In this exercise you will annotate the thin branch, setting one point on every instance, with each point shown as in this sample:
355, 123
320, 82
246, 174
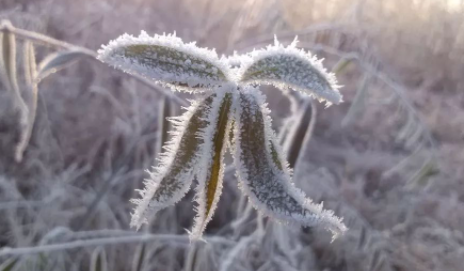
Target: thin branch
140, 238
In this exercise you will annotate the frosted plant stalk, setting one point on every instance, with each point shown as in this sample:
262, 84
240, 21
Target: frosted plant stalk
231, 115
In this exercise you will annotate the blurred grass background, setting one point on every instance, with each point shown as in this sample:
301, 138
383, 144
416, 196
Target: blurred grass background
389, 159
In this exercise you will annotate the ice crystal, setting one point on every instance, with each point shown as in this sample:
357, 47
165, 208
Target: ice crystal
232, 115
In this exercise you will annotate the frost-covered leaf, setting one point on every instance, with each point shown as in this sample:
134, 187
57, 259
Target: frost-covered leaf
171, 180
168, 60
289, 67
211, 167
263, 173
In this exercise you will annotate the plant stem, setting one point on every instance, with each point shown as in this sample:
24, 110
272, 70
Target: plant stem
180, 239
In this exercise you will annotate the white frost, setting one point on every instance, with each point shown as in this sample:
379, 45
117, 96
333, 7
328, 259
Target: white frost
171, 179
167, 60
204, 166
289, 67
263, 173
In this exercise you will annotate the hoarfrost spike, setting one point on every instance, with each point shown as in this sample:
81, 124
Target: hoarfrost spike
171, 180
168, 60
211, 167
263, 174
289, 67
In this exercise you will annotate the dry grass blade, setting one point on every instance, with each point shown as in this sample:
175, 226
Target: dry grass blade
99, 261
408, 128
30, 70
422, 176
377, 260
341, 65
139, 258
300, 133
192, 257
9, 264
57, 61
10, 78
358, 103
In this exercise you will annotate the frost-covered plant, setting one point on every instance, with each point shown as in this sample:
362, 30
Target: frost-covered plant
232, 115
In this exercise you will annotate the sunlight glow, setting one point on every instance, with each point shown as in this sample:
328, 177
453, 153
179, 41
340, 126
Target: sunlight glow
454, 5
